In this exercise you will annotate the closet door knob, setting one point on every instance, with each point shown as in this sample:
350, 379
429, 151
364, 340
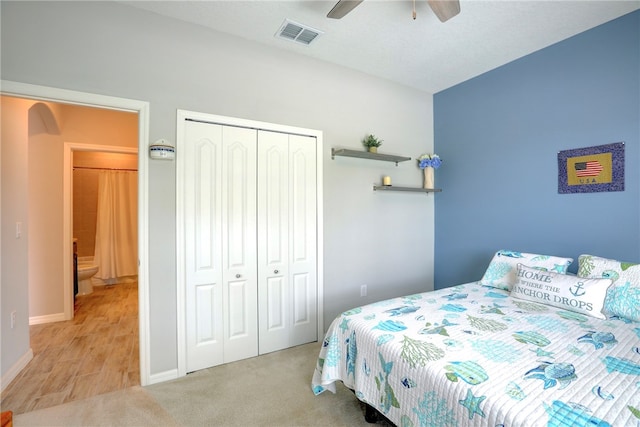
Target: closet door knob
238, 276
276, 271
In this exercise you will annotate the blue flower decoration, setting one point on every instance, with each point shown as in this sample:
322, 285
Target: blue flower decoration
429, 161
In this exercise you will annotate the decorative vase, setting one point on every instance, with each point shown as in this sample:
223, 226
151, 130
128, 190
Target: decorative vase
373, 149
428, 178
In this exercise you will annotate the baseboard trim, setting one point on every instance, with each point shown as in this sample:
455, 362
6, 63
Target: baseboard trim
47, 318
161, 377
13, 372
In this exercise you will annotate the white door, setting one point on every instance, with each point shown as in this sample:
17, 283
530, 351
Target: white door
239, 251
287, 261
220, 244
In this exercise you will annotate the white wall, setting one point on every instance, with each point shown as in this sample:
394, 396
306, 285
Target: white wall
45, 225
13, 271
384, 240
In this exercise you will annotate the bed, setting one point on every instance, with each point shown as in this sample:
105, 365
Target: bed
527, 345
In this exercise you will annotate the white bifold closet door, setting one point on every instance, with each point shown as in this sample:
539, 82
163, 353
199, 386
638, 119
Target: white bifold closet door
287, 286
250, 242
220, 252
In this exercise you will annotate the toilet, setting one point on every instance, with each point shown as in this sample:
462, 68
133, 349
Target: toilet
86, 270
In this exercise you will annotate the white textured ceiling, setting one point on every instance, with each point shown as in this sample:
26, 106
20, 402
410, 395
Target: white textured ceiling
382, 39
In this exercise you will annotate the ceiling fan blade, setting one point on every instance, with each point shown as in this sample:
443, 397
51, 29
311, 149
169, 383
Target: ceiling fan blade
342, 8
445, 9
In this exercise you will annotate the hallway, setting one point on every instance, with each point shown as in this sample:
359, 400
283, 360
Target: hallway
97, 352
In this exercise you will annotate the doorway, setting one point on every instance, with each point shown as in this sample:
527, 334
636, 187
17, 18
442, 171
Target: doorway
68, 230
42, 93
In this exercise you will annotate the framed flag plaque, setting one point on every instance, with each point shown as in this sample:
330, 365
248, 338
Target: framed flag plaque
591, 169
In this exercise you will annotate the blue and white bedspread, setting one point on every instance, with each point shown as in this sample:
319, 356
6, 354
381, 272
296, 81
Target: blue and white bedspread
473, 356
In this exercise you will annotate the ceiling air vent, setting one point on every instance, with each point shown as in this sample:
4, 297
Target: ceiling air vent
296, 32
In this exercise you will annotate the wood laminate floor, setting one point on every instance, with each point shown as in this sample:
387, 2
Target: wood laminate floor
97, 352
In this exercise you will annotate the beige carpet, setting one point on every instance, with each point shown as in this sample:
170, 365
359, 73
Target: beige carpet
130, 407
270, 390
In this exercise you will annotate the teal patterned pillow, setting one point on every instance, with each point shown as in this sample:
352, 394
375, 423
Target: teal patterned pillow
502, 270
623, 297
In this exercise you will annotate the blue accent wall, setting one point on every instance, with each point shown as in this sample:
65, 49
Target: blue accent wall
499, 135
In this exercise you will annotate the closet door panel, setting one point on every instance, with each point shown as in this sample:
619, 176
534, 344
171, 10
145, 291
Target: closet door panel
276, 309
239, 316
303, 238
303, 295
274, 198
273, 246
206, 302
286, 240
203, 251
239, 177
239, 258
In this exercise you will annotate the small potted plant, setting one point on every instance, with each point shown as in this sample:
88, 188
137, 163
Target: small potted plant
372, 143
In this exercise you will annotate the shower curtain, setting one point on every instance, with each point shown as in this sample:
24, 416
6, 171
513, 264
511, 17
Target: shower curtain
116, 250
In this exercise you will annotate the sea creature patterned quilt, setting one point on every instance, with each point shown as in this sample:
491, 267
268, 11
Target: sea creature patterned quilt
472, 355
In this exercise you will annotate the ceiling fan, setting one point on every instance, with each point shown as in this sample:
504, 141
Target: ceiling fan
444, 9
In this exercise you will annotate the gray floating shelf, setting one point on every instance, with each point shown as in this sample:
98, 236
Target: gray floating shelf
367, 155
411, 189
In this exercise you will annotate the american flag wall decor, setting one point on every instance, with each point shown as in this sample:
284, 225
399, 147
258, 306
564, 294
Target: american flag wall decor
591, 169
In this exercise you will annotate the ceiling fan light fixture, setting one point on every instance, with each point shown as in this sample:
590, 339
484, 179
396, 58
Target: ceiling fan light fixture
445, 9
296, 32
342, 8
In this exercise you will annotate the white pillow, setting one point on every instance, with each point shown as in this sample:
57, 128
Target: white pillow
501, 272
623, 298
571, 293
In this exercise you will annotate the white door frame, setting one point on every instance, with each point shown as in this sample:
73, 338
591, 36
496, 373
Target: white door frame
183, 115
45, 93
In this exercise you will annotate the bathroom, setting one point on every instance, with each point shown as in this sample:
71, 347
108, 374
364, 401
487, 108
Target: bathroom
104, 219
